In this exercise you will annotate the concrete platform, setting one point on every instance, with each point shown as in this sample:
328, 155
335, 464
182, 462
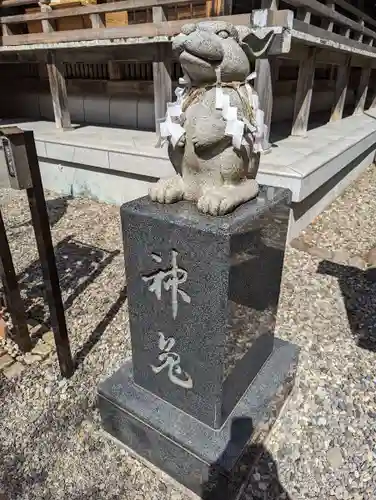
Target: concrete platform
117, 165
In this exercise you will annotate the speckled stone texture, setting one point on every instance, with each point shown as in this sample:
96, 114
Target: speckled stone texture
220, 319
212, 463
195, 398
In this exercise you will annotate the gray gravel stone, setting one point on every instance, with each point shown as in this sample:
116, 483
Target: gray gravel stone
14, 370
340, 257
49, 338
357, 261
30, 359
371, 257
334, 457
5, 361
321, 253
42, 350
300, 244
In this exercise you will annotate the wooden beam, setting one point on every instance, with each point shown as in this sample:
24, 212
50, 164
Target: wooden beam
314, 35
89, 9
17, 3
275, 18
103, 55
58, 92
304, 94
362, 91
278, 20
162, 81
343, 74
356, 12
148, 30
323, 55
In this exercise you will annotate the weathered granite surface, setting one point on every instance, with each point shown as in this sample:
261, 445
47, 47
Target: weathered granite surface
203, 294
212, 463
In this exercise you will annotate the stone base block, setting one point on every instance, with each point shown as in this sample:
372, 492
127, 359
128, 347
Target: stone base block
213, 463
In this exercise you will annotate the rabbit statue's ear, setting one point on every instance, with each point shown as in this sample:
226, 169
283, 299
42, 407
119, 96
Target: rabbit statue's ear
253, 45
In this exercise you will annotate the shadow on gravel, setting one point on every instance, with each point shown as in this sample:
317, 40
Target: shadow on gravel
29, 468
56, 209
359, 294
78, 266
28, 464
100, 328
255, 476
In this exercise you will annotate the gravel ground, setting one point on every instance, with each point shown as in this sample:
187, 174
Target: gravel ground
323, 446
349, 223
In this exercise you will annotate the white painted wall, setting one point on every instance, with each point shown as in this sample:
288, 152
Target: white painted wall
122, 111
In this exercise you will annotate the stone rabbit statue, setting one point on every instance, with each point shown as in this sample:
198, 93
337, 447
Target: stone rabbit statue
215, 126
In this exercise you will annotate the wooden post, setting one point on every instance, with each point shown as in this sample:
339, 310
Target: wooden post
343, 74
269, 4
373, 103
14, 301
229, 5
264, 80
303, 15
47, 25
97, 21
304, 94
373, 86
327, 24
58, 92
359, 36
161, 74
42, 231
6, 30
264, 89
344, 31
362, 92
115, 70
221, 7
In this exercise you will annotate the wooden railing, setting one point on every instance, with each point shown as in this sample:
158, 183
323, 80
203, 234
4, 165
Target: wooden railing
326, 31
350, 33
96, 19
350, 23
333, 21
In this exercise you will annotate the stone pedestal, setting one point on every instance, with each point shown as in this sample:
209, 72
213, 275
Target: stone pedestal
207, 377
